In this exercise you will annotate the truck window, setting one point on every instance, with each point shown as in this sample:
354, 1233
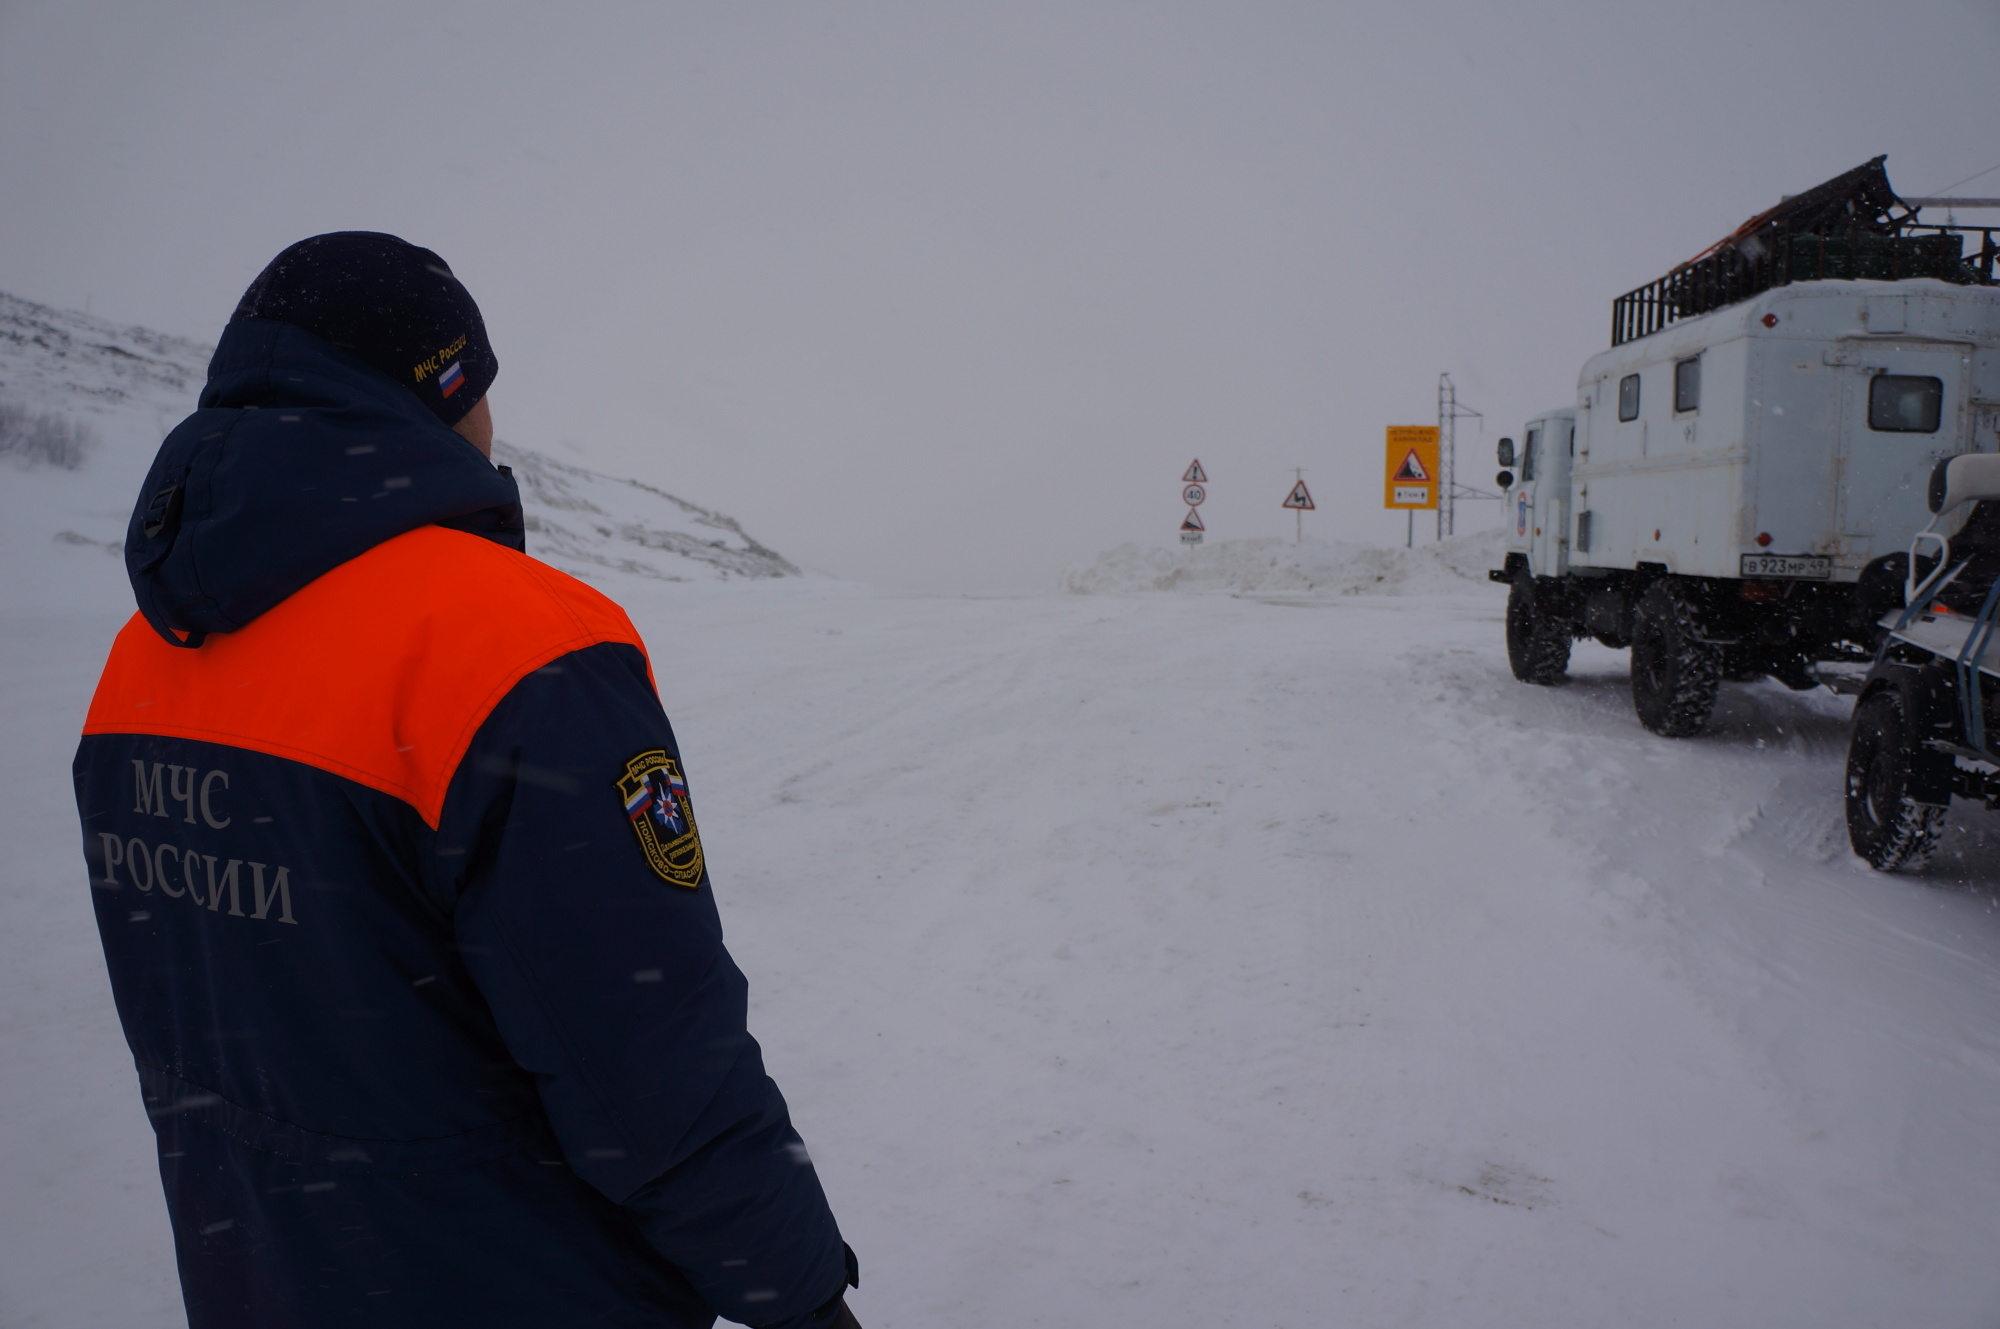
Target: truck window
1528, 456
1904, 403
1628, 397
1687, 385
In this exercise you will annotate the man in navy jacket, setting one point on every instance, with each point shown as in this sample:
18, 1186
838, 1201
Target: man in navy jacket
398, 873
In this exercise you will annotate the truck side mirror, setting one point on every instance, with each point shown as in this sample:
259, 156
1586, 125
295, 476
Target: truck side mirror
1506, 452
1505, 479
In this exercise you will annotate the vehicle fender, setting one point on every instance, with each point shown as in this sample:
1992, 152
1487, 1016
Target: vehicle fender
1930, 700
1607, 615
1555, 597
1879, 589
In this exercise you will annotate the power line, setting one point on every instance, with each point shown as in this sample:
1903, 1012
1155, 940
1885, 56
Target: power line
1968, 179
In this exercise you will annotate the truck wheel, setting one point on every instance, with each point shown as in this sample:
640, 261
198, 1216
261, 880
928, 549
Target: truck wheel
1884, 824
1674, 672
1537, 642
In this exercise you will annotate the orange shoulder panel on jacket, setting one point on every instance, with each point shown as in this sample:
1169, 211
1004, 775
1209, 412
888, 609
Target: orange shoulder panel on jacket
380, 671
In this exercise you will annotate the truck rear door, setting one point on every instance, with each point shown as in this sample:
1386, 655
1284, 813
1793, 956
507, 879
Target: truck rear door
1903, 406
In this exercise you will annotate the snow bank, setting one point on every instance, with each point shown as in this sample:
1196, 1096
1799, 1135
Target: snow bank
1112, 953
1280, 567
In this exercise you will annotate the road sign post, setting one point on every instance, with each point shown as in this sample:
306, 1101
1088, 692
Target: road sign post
1300, 501
1410, 468
1194, 492
1411, 482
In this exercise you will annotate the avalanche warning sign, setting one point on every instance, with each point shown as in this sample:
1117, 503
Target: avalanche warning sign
1193, 522
1195, 475
1299, 498
1411, 467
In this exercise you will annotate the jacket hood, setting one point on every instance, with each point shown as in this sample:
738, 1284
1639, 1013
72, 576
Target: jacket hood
299, 458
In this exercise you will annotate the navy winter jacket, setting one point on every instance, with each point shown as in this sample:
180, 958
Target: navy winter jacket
404, 903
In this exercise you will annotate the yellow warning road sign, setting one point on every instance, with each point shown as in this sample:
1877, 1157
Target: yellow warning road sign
1411, 467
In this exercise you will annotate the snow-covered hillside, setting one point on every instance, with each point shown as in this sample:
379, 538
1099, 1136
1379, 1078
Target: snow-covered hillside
65, 361
117, 390
583, 522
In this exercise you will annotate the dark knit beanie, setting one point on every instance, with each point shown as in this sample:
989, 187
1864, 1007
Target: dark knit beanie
391, 304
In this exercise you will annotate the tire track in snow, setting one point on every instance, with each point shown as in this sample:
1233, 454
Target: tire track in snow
1866, 1003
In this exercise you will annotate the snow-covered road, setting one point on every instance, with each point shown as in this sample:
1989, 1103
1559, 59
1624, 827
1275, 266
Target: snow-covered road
1181, 959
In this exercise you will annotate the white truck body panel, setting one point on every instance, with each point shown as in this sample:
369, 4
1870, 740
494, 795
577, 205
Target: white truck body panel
1779, 442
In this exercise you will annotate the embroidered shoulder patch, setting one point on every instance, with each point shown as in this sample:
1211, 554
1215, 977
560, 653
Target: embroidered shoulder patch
656, 801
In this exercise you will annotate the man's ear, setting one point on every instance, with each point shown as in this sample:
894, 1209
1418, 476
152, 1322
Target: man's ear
476, 428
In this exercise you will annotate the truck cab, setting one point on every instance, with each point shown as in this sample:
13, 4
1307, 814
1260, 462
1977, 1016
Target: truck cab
1538, 500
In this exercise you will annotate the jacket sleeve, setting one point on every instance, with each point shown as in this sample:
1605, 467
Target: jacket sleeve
592, 932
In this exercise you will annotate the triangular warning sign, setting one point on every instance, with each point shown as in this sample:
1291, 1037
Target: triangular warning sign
1195, 475
1299, 498
1412, 469
1193, 522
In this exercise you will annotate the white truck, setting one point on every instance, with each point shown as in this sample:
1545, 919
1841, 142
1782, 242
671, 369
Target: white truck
1732, 493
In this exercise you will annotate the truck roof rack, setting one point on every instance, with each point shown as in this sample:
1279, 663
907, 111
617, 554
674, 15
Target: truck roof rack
1852, 227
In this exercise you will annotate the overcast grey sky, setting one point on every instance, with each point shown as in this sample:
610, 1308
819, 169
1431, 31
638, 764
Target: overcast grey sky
946, 296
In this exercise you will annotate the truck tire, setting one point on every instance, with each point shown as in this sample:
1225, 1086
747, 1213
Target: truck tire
1537, 641
1885, 825
1674, 673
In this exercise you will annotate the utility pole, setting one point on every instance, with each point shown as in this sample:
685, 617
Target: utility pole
1450, 412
